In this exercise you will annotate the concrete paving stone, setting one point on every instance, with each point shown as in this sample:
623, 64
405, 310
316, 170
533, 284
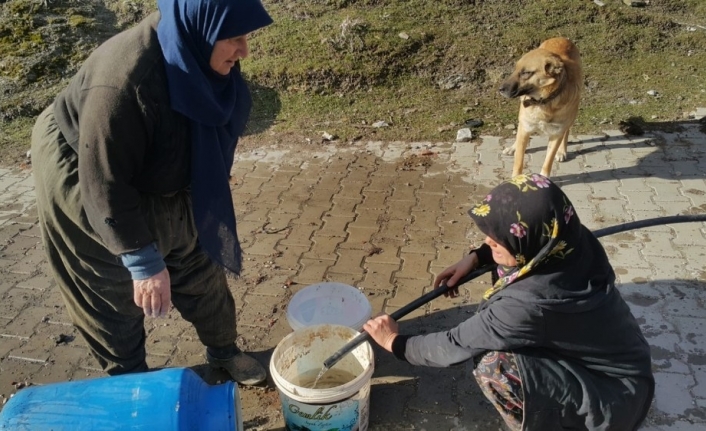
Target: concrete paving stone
403, 192
299, 190
660, 244
321, 199
635, 183
420, 242
15, 300
389, 253
415, 265
38, 282
29, 264
684, 299
282, 178
63, 365
378, 276
687, 168
610, 212
429, 202
434, 184
300, 236
689, 234
344, 206
264, 244
626, 274
345, 278
279, 220
395, 228
668, 268
691, 330
309, 215
642, 201
254, 214
382, 176
251, 185
256, 311
675, 207
368, 220
435, 392
286, 257
274, 286
387, 405
323, 248
454, 232
334, 227
359, 238
407, 290
626, 255
262, 170
682, 426
350, 261
9, 344
14, 371
39, 347
268, 195
313, 271
700, 389
677, 385
424, 220
371, 201
665, 354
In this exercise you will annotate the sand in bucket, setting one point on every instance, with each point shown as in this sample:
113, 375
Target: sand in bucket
341, 399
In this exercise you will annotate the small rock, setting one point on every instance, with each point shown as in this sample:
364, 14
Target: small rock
329, 137
510, 126
63, 339
29, 154
464, 135
379, 124
403, 35
652, 93
473, 123
636, 3
599, 3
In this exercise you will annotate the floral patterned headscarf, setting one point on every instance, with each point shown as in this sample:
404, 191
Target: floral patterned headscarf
533, 219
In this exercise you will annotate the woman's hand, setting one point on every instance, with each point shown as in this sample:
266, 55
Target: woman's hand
154, 294
383, 329
453, 273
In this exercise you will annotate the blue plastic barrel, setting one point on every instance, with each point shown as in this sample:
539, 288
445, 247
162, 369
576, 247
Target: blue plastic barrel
174, 399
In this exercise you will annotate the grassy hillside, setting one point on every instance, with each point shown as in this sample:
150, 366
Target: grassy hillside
424, 67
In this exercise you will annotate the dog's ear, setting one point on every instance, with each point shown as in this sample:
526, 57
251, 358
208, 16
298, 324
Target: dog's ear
553, 65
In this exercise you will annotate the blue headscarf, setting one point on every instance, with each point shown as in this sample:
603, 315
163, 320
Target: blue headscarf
218, 107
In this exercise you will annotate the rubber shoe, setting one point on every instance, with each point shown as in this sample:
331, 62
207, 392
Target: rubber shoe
242, 368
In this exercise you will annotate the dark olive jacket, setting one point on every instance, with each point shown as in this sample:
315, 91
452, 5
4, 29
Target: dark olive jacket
115, 114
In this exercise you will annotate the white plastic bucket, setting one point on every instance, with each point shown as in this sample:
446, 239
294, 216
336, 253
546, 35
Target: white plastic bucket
297, 360
329, 302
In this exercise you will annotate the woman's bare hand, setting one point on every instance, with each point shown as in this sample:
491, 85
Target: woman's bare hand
453, 273
383, 329
154, 294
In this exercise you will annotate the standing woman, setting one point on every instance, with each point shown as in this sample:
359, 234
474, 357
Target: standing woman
131, 166
554, 345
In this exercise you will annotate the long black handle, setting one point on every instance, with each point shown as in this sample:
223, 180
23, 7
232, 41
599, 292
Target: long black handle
398, 314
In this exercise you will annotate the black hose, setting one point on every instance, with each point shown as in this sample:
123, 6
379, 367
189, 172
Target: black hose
398, 314
649, 222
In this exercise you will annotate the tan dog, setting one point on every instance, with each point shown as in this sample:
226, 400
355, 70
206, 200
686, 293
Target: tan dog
548, 81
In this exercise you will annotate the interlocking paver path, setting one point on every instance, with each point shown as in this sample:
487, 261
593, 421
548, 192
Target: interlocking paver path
386, 217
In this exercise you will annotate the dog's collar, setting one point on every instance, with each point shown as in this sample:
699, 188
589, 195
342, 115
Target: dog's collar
534, 102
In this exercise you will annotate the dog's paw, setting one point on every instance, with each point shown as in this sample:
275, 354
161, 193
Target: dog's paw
509, 151
560, 157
